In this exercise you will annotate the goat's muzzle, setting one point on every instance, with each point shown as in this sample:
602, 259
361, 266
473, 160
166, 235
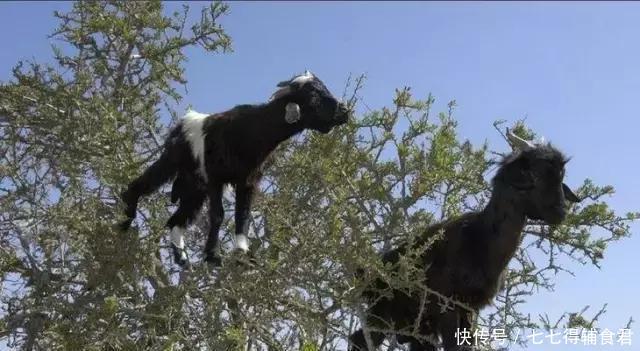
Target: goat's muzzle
342, 114
556, 215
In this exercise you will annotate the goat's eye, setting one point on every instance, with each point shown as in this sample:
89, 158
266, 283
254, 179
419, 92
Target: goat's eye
554, 173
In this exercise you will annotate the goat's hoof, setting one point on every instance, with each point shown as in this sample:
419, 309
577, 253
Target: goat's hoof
244, 258
183, 264
124, 225
214, 260
180, 256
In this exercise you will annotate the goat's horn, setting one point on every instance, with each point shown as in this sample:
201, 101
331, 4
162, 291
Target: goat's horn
517, 142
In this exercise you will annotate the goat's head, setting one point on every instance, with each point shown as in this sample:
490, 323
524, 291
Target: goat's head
311, 103
535, 173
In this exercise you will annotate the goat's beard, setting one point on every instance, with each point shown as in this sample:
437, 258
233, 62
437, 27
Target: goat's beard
325, 129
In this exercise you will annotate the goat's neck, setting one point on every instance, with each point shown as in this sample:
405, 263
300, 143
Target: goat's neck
276, 129
504, 220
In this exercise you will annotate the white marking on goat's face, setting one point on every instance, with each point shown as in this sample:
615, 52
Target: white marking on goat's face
177, 239
286, 86
303, 78
192, 129
292, 113
241, 242
280, 93
320, 110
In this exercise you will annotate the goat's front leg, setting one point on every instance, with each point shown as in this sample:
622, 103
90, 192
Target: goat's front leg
216, 215
455, 329
417, 345
422, 345
359, 343
244, 197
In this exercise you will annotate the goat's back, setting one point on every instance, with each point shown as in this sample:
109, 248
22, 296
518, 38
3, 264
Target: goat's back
456, 264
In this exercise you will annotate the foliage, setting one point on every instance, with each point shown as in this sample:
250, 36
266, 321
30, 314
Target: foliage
73, 134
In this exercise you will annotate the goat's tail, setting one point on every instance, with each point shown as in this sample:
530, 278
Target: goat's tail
159, 173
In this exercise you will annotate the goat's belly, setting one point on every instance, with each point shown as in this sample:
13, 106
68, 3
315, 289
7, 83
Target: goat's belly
478, 299
227, 167
402, 310
469, 287
478, 294
223, 175
224, 169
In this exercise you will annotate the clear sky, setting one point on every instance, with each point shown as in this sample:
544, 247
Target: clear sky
572, 68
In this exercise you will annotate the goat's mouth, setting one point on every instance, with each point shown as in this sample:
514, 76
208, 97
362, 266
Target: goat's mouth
341, 115
325, 129
341, 119
556, 215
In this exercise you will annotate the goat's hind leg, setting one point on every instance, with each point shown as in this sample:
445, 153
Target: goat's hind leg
150, 180
452, 324
418, 345
216, 216
426, 341
191, 193
178, 188
359, 342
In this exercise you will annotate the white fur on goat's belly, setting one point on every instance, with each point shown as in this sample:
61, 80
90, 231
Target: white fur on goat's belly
192, 128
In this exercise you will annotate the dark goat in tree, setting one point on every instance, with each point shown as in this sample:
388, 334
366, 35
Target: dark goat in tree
466, 264
206, 152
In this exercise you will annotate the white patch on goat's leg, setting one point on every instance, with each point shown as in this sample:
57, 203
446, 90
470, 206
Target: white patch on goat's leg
177, 240
242, 242
192, 128
228, 192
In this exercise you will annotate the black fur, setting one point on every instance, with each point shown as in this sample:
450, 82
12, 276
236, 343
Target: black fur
237, 143
468, 262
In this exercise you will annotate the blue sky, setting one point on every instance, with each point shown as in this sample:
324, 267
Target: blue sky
572, 68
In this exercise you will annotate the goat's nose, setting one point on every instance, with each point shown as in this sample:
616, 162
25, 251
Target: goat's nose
342, 113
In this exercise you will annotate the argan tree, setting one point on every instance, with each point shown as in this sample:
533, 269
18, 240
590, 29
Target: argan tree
391, 174
72, 135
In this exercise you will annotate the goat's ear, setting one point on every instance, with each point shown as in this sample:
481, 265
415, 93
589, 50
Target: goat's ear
284, 83
569, 195
292, 113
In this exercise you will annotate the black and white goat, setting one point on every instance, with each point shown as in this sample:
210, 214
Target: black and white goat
467, 263
206, 152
